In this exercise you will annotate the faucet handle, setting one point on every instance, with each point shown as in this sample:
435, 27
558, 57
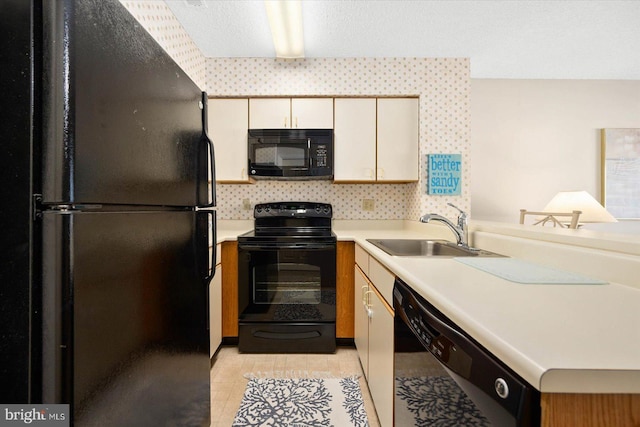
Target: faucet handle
462, 213
462, 218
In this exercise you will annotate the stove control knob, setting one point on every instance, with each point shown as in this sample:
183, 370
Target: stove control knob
327, 209
502, 388
258, 209
267, 209
318, 209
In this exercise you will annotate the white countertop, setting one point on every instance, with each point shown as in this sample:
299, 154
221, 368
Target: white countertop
227, 229
560, 338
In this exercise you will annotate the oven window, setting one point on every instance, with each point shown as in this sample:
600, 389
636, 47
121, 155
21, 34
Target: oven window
287, 283
282, 284
281, 155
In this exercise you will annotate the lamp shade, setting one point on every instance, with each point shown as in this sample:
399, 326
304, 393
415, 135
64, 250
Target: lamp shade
567, 201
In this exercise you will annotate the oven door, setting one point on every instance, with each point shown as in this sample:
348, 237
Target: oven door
286, 282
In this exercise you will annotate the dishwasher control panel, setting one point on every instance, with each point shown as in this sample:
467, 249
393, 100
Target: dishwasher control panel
426, 330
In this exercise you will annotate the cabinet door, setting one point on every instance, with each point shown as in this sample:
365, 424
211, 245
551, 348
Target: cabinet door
381, 358
397, 139
269, 113
312, 113
215, 311
355, 139
361, 320
228, 121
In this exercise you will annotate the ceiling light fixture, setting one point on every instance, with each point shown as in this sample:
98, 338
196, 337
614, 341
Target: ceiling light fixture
285, 20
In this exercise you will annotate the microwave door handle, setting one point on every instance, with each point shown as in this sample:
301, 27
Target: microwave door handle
309, 153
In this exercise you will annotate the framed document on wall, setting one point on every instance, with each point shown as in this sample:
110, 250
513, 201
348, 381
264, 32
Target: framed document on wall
621, 172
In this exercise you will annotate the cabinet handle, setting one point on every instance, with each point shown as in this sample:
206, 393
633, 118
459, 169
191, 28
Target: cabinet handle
369, 173
285, 122
243, 173
296, 122
363, 293
365, 301
380, 173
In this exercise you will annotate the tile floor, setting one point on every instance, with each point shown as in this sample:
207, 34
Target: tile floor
228, 381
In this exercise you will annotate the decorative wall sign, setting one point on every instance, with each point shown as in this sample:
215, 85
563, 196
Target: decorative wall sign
621, 172
444, 174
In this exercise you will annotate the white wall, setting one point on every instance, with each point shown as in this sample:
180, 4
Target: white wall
533, 138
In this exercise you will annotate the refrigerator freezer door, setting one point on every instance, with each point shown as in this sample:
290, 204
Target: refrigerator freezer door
122, 121
125, 317
18, 299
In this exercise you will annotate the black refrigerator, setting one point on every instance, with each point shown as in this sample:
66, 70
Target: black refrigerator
107, 217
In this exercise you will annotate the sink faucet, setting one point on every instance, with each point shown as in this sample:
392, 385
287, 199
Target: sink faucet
460, 230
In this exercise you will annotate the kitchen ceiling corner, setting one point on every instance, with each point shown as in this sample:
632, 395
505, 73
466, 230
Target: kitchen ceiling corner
503, 39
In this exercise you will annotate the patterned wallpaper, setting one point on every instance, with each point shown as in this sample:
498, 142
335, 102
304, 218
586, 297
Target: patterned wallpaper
346, 199
443, 86
156, 17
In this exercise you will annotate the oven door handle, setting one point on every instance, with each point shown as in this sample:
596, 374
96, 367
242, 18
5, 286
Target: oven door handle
278, 246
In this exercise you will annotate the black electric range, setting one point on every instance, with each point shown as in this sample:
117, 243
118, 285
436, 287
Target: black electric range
287, 280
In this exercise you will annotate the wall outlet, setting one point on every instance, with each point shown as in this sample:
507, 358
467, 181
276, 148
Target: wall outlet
246, 204
368, 204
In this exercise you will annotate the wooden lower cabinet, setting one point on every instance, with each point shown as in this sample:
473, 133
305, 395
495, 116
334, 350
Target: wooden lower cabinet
590, 410
345, 259
229, 289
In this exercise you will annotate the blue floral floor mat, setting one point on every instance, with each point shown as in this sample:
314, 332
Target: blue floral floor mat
302, 402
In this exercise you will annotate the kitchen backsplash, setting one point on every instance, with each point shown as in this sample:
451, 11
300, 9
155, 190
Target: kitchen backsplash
443, 85
346, 199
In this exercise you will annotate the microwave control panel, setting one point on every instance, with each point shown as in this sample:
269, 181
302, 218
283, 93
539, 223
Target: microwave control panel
321, 155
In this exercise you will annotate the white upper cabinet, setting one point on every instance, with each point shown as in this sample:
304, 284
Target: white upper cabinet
269, 113
286, 113
376, 140
355, 139
397, 139
228, 121
312, 113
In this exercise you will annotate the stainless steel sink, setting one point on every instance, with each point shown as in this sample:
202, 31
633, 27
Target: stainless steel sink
426, 248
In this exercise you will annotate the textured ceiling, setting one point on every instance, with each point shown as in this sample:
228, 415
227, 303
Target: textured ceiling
504, 39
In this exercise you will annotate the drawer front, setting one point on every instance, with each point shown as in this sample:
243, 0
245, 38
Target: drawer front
383, 279
362, 259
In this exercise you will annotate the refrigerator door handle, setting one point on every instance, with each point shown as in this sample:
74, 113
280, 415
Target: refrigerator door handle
208, 247
212, 157
212, 165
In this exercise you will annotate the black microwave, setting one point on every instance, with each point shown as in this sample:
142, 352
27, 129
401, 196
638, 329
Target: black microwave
291, 153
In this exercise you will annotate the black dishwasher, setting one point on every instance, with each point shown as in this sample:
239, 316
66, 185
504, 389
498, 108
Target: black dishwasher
444, 378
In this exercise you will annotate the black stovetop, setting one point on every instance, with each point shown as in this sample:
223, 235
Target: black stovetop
295, 220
